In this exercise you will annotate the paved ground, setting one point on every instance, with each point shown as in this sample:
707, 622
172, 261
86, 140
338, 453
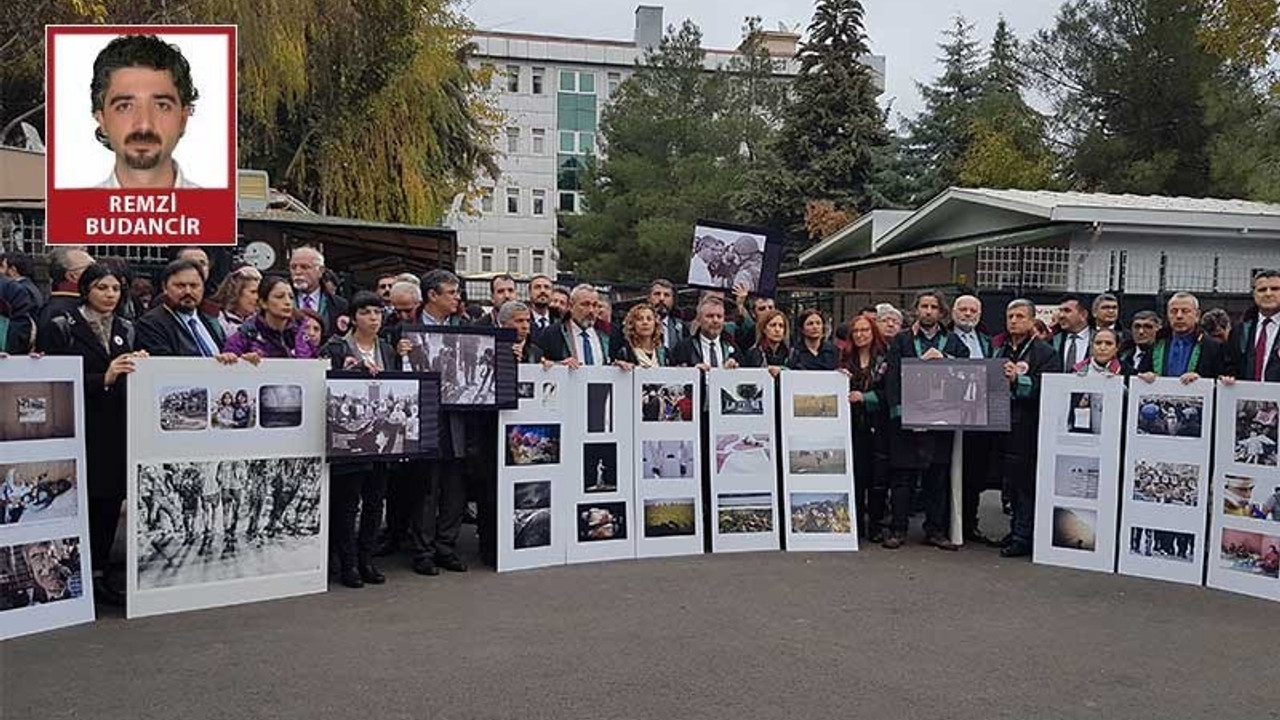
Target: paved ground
915, 633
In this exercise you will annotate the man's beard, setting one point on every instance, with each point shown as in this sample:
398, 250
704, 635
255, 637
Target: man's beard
660, 309
146, 159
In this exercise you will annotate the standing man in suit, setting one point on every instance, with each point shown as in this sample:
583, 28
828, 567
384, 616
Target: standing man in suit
502, 288
541, 315
662, 298
1146, 327
708, 347
1254, 352
1184, 351
576, 341
306, 268
920, 455
966, 313
175, 326
1106, 314
1074, 340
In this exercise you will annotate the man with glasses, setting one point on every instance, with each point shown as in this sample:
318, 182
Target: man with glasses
1146, 326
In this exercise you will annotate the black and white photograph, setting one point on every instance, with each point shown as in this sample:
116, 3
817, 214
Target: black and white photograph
183, 409
280, 406
467, 364
371, 417
37, 410
602, 521
668, 459
817, 455
39, 573
234, 409
944, 394
202, 522
1084, 416
1162, 544
1166, 483
532, 520
1075, 528
550, 395
746, 454
32, 492
525, 390
599, 467
533, 445
1171, 416
599, 407
1076, 476
669, 517
727, 256
666, 403
742, 513
1256, 432
742, 399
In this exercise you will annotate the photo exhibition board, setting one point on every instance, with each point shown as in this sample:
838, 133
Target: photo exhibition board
744, 460
1244, 545
668, 462
1166, 480
817, 462
225, 515
45, 576
1078, 471
955, 394
723, 256
393, 416
601, 514
538, 449
476, 364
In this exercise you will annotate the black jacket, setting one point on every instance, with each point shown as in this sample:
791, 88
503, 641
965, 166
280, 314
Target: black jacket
688, 352
1242, 345
336, 351
161, 334
19, 314
60, 303
1209, 357
1018, 446
758, 357
623, 352
828, 358
556, 345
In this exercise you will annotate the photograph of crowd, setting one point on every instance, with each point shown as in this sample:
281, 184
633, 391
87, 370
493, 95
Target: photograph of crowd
744, 513
531, 526
725, 258
1238, 499
1170, 415
32, 492
183, 408
944, 393
666, 403
533, 445
816, 456
1076, 476
668, 459
466, 363
1166, 483
746, 454
602, 521
820, 513
373, 417
742, 399
1256, 432
201, 522
668, 517
234, 409
1162, 544
599, 467
1250, 553
1084, 416
1075, 528
599, 407
816, 406
41, 410
41, 572
281, 405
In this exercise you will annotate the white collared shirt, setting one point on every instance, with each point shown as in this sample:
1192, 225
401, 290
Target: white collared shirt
1272, 329
540, 322
1083, 338
316, 298
971, 341
593, 337
707, 344
179, 180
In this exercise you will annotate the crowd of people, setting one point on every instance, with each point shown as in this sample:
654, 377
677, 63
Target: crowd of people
102, 313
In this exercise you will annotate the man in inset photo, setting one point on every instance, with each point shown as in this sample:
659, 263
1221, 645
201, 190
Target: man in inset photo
142, 97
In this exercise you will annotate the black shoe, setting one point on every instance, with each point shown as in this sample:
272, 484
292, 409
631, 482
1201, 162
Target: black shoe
425, 567
976, 537
942, 542
104, 594
1016, 549
351, 578
371, 574
451, 563
1004, 542
892, 542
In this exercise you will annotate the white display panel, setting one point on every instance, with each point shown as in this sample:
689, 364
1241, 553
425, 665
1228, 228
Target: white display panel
817, 462
601, 514
668, 461
743, 446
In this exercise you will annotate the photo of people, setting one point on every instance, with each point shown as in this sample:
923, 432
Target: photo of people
373, 417
944, 394
524, 390
1075, 528
666, 403
1250, 553
533, 445
820, 513
668, 517
1238, 498
1162, 544
550, 395
234, 409
817, 406
602, 521
1256, 432
599, 407
599, 467
1166, 483
743, 513
742, 399
466, 363
816, 456
202, 522
1076, 476
184, 408
37, 410
748, 454
281, 406
1170, 415
32, 492
532, 521
39, 573
668, 459
1084, 416
726, 258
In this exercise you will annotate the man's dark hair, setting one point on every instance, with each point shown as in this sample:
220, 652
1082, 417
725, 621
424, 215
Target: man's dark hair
1215, 319
21, 262
540, 276
936, 295
146, 51
435, 280
1148, 315
96, 272
177, 266
493, 281
1260, 275
1080, 303
560, 290
662, 283
364, 299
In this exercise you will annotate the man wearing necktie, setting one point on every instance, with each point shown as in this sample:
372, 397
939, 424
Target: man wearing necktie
1074, 340
1253, 347
979, 472
576, 342
662, 298
175, 327
1185, 352
1146, 327
306, 268
541, 314
707, 348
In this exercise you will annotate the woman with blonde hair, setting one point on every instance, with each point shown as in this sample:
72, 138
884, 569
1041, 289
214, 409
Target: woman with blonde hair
773, 343
237, 298
641, 344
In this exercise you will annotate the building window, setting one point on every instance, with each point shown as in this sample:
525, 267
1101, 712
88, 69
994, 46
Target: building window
572, 81
538, 75
486, 200
513, 78
539, 141
460, 264
586, 82
486, 260
513, 201
513, 140
513, 260
615, 79
569, 202
539, 258
539, 202
577, 143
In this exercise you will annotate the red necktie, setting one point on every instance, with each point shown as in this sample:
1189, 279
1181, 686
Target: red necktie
1260, 350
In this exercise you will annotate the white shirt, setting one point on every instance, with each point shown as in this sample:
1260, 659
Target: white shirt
315, 300
1083, 339
185, 319
1272, 329
970, 340
179, 180
540, 322
597, 349
707, 344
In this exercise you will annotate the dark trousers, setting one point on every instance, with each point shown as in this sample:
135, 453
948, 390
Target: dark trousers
435, 518
104, 516
483, 432
869, 477
935, 482
1018, 460
357, 494
1023, 500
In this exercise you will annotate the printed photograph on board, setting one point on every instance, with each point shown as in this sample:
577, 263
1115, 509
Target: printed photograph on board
668, 459
533, 445
1166, 483
1162, 544
532, 519
944, 394
744, 454
1076, 476
808, 455
1256, 432
666, 403
1250, 553
1243, 496
1084, 415
815, 406
668, 517
602, 521
372, 417
40, 573
1171, 416
32, 492
234, 409
742, 399
466, 363
183, 408
599, 467
1075, 528
37, 410
281, 406
820, 513
744, 513
725, 258
599, 407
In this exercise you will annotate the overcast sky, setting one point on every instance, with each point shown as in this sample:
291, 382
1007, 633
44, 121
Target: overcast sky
906, 32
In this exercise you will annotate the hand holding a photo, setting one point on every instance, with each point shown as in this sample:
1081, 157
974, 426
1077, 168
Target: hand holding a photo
730, 364
227, 358
703, 367
1227, 380
932, 354
1010, 371
403, 348
856, 397
775, 370
122, 365
572, 363
1147, 377
252, 358
1189, 378
624, 365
